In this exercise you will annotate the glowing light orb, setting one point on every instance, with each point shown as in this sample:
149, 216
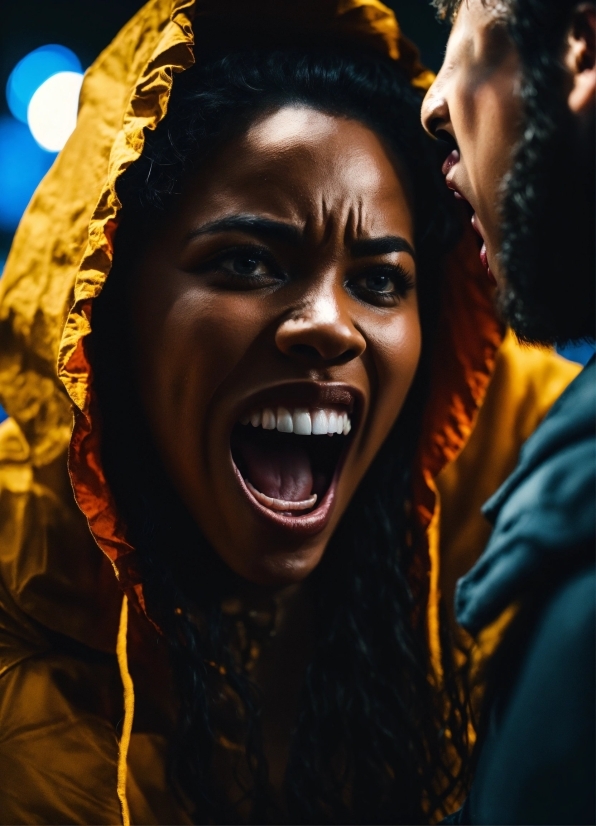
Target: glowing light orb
52, 112
22, 166
32, 71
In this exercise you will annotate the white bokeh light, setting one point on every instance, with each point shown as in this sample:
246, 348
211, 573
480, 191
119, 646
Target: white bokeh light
52, 112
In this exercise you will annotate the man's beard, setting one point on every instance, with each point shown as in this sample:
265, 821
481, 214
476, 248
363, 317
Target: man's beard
548, 224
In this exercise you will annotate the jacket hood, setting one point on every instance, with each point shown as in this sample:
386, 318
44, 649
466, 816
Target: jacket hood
544, 515
62, 255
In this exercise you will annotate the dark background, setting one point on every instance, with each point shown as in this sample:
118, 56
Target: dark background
87, 26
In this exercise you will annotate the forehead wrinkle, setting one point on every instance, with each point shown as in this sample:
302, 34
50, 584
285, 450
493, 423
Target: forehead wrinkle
342, 188
343, 223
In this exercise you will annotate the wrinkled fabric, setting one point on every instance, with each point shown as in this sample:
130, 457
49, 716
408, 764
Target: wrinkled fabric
544, 515
64, 559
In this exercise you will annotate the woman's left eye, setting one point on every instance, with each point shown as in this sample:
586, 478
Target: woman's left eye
384, 285
379, 282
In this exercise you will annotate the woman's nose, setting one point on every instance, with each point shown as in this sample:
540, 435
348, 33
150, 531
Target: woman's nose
320, 331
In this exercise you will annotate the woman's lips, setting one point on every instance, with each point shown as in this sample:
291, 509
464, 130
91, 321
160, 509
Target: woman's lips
307, 394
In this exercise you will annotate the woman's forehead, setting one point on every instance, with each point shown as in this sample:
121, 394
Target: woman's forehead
302, 165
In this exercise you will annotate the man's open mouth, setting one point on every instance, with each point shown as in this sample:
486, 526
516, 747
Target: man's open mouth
475, 221
288, 459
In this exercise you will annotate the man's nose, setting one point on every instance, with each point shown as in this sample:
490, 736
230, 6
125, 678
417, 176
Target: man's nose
435, 111
321, 330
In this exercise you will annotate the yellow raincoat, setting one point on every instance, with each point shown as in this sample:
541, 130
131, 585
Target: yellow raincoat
77, 745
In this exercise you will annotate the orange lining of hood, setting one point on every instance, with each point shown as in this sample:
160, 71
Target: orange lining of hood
126, 91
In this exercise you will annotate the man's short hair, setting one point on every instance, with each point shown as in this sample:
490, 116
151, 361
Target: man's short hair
447, 9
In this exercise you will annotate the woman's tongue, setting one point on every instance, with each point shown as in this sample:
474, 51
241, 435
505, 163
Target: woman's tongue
284, 472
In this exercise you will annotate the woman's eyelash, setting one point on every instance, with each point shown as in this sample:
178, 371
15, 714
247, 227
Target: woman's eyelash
406, 281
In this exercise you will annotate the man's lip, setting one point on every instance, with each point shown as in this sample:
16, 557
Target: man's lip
449, 170
450, 161
301, 393
483, 254
455, 188
475, 221
486, 265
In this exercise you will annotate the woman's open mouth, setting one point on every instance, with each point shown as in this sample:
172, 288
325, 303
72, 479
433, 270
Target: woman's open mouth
288, 457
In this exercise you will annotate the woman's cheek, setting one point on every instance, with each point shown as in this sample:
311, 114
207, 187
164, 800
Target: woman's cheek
397, 346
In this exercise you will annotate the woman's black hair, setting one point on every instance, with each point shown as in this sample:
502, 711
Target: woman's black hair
375, 740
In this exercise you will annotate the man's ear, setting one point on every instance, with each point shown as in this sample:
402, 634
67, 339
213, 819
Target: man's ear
581, 58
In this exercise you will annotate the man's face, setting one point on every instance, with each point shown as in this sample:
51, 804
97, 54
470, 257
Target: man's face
522, 132
475, 102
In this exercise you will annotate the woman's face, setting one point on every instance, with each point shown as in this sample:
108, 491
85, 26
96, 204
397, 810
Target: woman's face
277, 335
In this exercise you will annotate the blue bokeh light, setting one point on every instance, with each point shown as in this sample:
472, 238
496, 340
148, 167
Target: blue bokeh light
33, 70
22, 166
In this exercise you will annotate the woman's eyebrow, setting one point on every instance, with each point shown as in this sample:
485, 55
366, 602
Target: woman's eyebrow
381, 246
289, 233
251, 223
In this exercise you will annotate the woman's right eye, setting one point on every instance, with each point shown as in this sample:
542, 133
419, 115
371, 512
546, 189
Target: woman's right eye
246, 266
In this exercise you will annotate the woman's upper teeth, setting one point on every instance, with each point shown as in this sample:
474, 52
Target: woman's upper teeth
300, 420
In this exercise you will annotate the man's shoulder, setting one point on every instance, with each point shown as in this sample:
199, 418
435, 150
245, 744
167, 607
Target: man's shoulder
538, 765
567, 626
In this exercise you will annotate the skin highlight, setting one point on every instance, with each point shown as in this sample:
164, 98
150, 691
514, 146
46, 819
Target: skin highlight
301, 192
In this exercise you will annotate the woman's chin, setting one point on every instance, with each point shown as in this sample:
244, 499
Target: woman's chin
273, 569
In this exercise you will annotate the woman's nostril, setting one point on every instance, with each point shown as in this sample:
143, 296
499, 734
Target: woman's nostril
305, 351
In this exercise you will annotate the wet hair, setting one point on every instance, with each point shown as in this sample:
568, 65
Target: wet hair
375, 739
548, 198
